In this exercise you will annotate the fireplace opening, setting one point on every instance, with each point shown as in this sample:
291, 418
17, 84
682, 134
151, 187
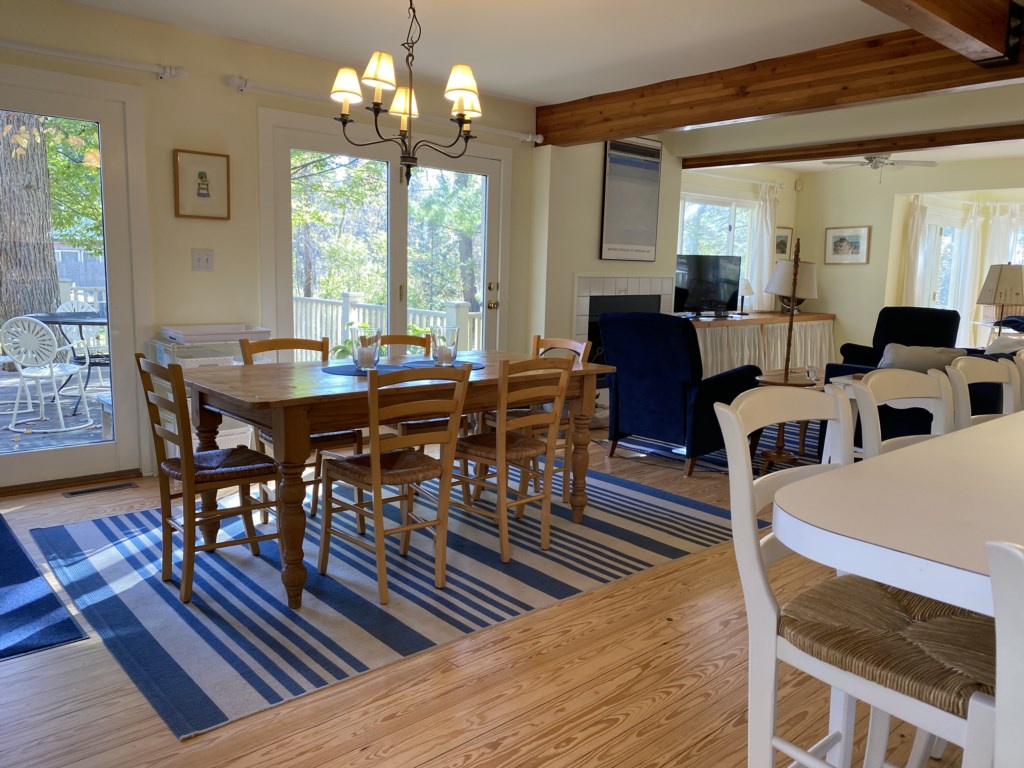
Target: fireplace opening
620, 303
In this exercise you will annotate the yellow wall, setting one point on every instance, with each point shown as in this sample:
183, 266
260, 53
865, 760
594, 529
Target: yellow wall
202, 113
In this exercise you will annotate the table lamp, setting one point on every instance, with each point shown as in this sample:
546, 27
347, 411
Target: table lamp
1004, 284
745, 290
793, 285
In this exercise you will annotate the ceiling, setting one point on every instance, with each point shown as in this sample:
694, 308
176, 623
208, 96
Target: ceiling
535, 51
985, 151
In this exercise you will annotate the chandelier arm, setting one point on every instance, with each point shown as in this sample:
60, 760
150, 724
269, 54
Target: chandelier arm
383, 139
440, 148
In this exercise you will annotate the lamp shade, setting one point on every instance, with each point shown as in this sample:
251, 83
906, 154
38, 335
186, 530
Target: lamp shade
346, 86
467, 105
781, 281
746, 289
1004, 284
380, 72
461, 83
403, 105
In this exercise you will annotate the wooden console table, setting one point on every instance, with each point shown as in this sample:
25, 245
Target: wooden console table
760, 338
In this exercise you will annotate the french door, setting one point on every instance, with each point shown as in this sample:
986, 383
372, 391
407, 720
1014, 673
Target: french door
66, 245
352, 246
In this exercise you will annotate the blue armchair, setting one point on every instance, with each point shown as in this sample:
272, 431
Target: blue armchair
658, 390
912, 326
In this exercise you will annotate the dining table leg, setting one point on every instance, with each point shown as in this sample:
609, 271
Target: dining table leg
581, 408
207, 425
291, 453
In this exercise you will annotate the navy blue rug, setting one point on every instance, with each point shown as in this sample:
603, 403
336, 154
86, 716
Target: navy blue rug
237, 648
31, 615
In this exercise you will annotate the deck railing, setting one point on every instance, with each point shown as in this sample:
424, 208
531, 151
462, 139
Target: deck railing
313, 318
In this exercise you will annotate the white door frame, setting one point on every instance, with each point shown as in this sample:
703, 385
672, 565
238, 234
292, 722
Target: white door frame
119, 111
279, 131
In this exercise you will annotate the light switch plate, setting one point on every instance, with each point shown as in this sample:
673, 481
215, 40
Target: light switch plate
202, 260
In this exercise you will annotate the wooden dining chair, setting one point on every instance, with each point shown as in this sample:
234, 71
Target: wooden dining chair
579, 353
198, 472
1006, 568
398, 461
925, 662
407, 340
901, 388
971, 369
531, 395
319, 441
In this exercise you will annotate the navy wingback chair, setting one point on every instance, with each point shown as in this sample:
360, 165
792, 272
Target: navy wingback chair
912, 326
658, 390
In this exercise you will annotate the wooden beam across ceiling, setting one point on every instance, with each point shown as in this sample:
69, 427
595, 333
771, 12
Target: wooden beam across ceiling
888, 66
853, 147
978, 30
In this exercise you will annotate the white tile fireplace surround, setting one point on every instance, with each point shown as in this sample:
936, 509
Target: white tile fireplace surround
587, 286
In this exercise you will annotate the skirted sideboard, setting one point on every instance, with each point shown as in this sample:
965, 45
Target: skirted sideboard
760, 338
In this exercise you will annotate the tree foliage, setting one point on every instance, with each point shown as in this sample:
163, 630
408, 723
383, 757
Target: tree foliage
340, 231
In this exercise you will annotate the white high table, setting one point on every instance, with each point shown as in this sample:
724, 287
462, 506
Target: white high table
916, 518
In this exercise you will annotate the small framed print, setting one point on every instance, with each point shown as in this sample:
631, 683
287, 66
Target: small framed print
202, 185
783, 242
847, 245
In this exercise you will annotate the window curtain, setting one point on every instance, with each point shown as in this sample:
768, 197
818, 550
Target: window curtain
762, 246
915, 268
1002, 234
970, 272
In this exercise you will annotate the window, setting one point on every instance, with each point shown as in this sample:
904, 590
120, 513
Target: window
716, 227
1018, 247
943, 252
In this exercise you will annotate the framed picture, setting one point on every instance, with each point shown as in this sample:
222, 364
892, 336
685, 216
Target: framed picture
783, 242
847, 245
632, 190
202, 185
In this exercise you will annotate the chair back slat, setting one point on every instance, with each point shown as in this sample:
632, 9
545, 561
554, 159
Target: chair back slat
408, 340
578, 351
252, 348
167, 404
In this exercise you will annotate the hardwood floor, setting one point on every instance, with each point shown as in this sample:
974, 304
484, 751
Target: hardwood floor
648, 671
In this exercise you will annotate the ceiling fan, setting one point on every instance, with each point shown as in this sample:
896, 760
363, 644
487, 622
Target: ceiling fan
878, 162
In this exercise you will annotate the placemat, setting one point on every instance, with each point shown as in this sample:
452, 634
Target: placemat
351, 370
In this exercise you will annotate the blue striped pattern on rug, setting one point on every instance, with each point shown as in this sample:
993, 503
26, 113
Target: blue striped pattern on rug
237, 648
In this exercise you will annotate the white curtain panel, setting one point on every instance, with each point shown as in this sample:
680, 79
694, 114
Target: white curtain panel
969, 272
762, 246
915, 269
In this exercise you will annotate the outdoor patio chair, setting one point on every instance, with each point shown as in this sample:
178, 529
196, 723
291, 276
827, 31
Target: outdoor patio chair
38, 358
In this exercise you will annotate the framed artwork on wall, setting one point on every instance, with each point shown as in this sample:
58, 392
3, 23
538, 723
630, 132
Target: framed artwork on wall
632, 191
783, 242
847, 245
202, 185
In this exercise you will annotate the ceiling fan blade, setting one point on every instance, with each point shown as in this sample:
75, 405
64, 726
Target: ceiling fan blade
919, 163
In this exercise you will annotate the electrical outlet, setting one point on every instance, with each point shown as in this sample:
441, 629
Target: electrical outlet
202, 260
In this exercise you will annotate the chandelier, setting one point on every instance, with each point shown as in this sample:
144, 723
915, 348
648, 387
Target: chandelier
380, 75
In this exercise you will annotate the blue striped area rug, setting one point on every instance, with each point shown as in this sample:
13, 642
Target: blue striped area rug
718, 462
237, 648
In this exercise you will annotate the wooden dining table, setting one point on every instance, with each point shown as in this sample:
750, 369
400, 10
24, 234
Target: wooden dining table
295, 400
916, 518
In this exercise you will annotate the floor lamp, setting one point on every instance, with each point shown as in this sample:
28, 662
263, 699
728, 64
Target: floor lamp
792, 281
1004, 284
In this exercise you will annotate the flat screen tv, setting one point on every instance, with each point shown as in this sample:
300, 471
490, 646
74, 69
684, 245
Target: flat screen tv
705, 283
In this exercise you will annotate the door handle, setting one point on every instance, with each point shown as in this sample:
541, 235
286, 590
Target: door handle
492, 305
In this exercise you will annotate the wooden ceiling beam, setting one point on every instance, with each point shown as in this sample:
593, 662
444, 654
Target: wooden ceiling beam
888, 66
979, 30
875, 146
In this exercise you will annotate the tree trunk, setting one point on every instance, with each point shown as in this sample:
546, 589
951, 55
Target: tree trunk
28, 264
468, 266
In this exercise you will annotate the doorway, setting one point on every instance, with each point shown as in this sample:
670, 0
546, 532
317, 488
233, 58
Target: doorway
66, 261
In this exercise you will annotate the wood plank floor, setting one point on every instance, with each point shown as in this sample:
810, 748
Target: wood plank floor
646, 672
